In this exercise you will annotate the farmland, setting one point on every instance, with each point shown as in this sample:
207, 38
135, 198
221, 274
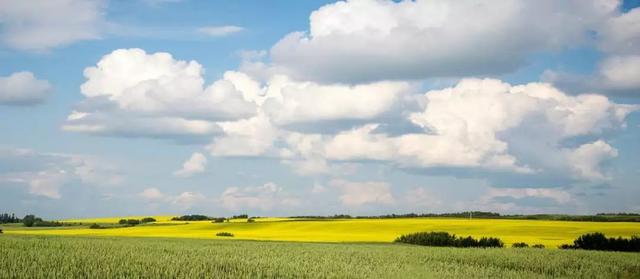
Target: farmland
109, 257
549, 233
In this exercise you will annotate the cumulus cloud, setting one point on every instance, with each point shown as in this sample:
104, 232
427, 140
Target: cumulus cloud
558, 195
45, 174
182, 201
23, 88
220, 31
362, 193
39, 25
132, 92
265, 197
418, 39
619, 40
195, 164
486, 124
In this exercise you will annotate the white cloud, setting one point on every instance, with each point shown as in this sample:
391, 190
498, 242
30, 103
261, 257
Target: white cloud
362, 193
586, 159
477, 122
246, 137
23, 88
308, 101
383, 39
265, 197
47, 183
38, 25
558, 195
195, 164
620, 72
131, 92
45, 174
187, 200
220, 31
152, 194
618, 38
182, 201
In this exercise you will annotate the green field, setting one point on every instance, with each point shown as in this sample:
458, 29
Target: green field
106, 257
549, 233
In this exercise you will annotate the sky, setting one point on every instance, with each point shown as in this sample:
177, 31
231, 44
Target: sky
288, 108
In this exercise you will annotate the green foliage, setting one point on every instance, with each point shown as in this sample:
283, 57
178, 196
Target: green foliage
192, 218
33, 221
30, 220
251, 220
9, 218
598, 241
444, 239
224, 234
538, 246
520, 245
84, 257
219, 220
148, 220
241, 216
95, 226
129, 222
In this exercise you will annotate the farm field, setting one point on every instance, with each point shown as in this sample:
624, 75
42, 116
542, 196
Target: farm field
109, 257
549, 233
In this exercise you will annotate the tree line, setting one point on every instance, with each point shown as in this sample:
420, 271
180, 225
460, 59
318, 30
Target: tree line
589, 241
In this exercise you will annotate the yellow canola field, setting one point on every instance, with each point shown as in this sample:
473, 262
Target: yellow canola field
549, 233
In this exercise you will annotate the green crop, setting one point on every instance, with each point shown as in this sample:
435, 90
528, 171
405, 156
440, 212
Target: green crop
102, 257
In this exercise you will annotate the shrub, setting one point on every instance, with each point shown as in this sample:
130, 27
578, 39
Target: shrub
1, 231
251, 220
539, 246
95, 226
219, 220
148, 220
598, 241
129, 222
445, 239
241, 216
519, 245
192, 218
224, 234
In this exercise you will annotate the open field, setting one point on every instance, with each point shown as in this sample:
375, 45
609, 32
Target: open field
549, 233
89, 257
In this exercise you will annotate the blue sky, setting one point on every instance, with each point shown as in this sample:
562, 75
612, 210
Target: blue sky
315, 107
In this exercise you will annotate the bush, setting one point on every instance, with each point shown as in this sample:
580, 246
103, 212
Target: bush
1, 231
224, 234
129, 222
251, 220
30, 220
598, 241
95, 226
192, 218
520, 245
444, 239
148, 220
539, 246
219, 220
241, 216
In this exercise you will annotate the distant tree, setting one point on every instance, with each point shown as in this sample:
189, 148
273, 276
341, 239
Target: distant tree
1, 231
30, 220
122, 222
224, 234
241, 216
539, 246
148, 220
95, 226
219, 220
520, 245
251, 220
192, 218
